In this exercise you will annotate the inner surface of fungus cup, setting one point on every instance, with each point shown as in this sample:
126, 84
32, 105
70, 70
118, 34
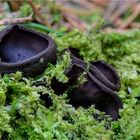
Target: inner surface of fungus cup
99, 89
22, 49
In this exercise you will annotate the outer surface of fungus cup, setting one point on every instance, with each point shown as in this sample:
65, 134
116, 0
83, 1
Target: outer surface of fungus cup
104, 72
22, 49
93, 92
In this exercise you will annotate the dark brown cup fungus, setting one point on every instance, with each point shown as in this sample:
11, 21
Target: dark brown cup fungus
95, 90
22, 49
101, 70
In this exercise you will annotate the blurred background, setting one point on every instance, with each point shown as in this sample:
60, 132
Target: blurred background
64, 15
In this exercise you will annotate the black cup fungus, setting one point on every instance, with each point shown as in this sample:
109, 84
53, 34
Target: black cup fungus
101, 70
99, 89
94, 92
22, 49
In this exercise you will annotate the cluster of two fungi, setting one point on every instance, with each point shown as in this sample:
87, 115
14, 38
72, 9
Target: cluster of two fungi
25, 50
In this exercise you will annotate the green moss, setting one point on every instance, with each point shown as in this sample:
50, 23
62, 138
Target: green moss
24, 116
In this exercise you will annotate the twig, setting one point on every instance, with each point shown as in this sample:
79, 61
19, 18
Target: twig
135, 25
115, 30
41, 19
101, 3
131, 18
85, 4
120, 11
75, 22
78, 11
113, 4
15, 20
43, 28
15, 5
118, 22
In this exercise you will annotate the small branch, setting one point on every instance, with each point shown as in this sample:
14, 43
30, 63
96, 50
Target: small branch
15, 20
135, 25
118, 22
15, 5
85, 4
75, 22
112, 6
115, 30
74, 11
101, 3
120, 11
131, 18
35, 10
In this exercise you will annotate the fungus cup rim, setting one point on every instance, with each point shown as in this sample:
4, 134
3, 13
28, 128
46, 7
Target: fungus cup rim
93, 68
